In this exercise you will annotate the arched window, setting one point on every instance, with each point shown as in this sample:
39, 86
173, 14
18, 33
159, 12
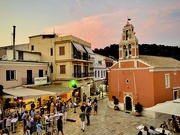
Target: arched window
124, 51
129, 48
126, 34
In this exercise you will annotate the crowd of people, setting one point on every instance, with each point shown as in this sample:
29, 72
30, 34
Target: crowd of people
52, 116
164, 128
174, 123
36, 120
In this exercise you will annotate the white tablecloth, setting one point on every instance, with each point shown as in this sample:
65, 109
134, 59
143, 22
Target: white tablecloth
167, 132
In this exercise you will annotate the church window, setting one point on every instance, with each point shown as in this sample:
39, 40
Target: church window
126, 34
129, 47
124, 51
167, 80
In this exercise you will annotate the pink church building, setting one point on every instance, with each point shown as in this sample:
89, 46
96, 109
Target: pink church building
148, 80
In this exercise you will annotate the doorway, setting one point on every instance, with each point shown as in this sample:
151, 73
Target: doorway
29, 76
40, 73
128, 104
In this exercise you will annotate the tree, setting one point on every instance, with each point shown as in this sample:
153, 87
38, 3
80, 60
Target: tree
144, 49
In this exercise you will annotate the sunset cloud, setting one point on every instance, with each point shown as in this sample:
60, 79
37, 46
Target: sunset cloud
98, 22
95, 29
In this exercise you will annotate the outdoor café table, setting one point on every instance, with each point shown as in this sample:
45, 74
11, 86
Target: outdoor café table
13, 121
167, 132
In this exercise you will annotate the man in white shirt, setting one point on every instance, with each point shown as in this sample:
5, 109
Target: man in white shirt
47, 122
145, 131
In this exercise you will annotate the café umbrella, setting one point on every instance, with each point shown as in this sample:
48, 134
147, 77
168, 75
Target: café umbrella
169, 107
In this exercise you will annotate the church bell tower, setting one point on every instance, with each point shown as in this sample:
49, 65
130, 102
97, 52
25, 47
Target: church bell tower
128, 46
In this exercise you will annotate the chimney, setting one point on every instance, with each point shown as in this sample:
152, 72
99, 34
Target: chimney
14, 51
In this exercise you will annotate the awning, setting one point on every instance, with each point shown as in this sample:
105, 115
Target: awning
27, 93
168, 107
59, 90
79, 47
88, 50
5, 95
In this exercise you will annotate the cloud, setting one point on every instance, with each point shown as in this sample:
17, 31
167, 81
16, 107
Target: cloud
151, 26
94, 29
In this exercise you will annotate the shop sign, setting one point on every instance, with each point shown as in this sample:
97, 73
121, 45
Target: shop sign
40, 80
64, 96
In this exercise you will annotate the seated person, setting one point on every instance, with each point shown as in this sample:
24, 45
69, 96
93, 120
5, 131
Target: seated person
8, 123
145, 131
140, 133
164, 125
163, 132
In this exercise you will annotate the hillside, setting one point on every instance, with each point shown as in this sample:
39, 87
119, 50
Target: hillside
144, 49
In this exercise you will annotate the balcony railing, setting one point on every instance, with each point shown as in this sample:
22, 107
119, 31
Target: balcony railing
82, 57
81, 75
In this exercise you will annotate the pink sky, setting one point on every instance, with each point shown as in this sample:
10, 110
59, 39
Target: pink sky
106, 29
99, 22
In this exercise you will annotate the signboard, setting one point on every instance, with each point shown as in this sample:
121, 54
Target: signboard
40, 80
64, 96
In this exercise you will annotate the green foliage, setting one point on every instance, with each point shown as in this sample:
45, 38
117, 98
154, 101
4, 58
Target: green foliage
144, 49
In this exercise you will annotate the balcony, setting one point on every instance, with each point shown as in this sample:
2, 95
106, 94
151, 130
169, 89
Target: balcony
82, 57
81, 75
96, 65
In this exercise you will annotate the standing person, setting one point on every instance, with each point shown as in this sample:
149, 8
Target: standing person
89, 102
60, 125
47, 122
39, 128
82, 117
52, 107
145, 131
48, 107
95, 108
28, 125
41, 111
83, 106
88, 113
8, 123
84, 97
95, 100
70, 103
32, 105
58, 106
66, 108
33, 113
